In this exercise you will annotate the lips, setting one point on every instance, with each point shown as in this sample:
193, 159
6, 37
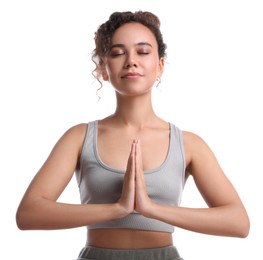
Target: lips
131, 75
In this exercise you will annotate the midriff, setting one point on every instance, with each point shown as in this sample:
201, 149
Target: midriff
127, 238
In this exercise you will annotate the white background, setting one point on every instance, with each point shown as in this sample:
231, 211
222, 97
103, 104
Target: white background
212, 86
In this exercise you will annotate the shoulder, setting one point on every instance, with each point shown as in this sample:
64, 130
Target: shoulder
194, 143
197, 151
79, 129
74, 136
76, 132
192, 140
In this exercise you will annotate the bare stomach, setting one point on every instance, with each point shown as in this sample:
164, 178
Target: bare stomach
127, 238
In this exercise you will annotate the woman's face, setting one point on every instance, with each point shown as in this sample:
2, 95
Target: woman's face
133, 64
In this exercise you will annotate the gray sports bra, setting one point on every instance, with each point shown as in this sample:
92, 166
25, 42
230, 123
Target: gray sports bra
100, 184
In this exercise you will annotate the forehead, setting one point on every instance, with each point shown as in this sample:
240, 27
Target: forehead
132, 33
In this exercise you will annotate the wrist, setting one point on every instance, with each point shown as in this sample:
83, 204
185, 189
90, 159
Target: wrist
148, 210
121, 210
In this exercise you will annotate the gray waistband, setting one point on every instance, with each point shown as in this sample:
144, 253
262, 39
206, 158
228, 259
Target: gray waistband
163, 253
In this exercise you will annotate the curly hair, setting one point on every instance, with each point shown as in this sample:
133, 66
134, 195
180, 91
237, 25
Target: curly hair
103, 35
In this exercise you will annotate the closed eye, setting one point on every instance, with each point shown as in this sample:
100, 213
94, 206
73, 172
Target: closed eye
117, 54
143, 53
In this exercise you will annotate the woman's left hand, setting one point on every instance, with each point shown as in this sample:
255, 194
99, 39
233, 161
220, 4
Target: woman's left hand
143, 203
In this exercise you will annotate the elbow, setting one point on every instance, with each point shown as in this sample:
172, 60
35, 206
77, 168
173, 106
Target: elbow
237, 224
240, 223
28, 215
243, 232
22, 221
243, 227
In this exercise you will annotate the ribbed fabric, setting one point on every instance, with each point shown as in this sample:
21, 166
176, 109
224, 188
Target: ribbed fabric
163, 253
100, 184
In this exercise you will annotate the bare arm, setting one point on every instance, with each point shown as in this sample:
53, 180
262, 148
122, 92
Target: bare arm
225, 215
39, 208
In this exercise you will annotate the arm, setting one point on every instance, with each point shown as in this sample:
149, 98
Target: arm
225, 215
39, 208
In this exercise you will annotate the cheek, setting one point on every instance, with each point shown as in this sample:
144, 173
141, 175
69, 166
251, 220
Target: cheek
113, 75
152, 68
112, 69
152, 64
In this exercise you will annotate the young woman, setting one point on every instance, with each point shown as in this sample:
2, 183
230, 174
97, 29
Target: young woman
132, 166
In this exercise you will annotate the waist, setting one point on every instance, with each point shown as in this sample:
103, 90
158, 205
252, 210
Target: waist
134, 221
128, 238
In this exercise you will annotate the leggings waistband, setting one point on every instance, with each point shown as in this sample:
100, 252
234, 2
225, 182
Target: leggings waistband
93, 253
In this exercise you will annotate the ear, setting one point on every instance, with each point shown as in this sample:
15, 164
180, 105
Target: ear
104, 75
103, 70
160, 67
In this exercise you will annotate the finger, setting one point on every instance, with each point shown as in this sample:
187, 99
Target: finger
127, 198
132, 159
130, 163
130, 170
138, 158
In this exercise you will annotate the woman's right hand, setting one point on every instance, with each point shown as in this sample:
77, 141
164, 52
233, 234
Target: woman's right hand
127, 199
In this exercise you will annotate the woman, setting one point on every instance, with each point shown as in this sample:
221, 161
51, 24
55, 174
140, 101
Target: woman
131, 167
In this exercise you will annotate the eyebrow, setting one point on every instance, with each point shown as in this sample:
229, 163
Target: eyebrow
119, 45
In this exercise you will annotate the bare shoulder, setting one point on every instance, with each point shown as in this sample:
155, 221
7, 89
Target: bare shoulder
70, 143
75, 133
197, 151
192, 141
77, 130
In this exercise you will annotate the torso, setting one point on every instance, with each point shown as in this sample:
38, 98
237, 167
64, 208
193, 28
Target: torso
114, 145
154, 154
127, 239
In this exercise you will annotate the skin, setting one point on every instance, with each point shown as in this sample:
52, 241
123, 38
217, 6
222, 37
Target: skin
134, 51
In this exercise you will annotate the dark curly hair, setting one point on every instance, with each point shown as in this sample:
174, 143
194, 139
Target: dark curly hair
105, 32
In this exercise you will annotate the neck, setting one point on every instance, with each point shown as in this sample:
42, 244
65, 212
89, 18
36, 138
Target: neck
136, 111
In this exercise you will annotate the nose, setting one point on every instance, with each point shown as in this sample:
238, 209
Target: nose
130, 61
